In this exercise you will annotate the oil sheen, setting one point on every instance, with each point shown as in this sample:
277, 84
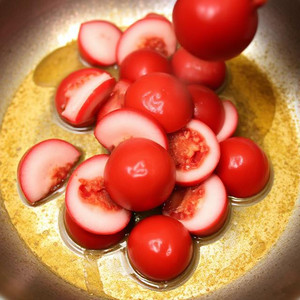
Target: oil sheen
252, 231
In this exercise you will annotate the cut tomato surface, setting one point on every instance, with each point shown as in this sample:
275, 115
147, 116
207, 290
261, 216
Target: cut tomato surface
80, 95
202, 209
88, 202
154, 33
126, 123
45, 167
196, 152
97, 42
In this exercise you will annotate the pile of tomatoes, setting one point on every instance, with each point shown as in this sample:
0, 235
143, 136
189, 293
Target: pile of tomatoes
166, 129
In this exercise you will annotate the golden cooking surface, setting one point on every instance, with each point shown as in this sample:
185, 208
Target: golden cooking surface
264, 116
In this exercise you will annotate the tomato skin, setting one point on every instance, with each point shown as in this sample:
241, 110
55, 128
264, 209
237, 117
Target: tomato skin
191, 69
243, 167
214, 29
90, 240
208, 107
139, 174
142, 62
87, 114
160, 248
115, 100
164, 97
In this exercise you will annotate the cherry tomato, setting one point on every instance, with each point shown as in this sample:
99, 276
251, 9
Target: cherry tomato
215, 29
139, 174
208, 107
191, 69
243, 167
163, 96
80, 95
90, 240
142, 62
115, 100
160, 248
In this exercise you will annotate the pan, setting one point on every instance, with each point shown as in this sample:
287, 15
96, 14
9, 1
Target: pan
257, 257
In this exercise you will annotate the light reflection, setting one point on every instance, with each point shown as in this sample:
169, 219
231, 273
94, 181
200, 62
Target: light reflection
155, 245
236, 162
153, 102
138, 170
207, 12
68, 36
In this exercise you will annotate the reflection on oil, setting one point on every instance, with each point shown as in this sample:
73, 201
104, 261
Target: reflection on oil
252, 93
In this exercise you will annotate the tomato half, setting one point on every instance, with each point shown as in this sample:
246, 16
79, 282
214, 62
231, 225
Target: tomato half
192, 69
142, 62
90, 240
243, 167
80, 95
164, 97
139, 174
160, 248
215, 29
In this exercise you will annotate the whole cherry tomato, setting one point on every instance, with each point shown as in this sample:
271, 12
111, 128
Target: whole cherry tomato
208, 107
191, 69
160, 248
164, 97
142, 62
243, 167
215, 29
139, 174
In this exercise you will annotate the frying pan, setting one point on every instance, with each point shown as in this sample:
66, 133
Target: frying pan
29, 30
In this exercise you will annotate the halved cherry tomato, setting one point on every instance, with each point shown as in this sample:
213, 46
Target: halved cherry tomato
80, 95
164, 97
139, 174
142, 62
90, 240
192, 69
243, 167
160, 248
215, 29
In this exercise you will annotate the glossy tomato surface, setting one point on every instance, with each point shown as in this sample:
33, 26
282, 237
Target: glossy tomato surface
139, 174
160, 248
243, 167
192, 69
164, 97
142, 62
90, 240
208, 107
215, 29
